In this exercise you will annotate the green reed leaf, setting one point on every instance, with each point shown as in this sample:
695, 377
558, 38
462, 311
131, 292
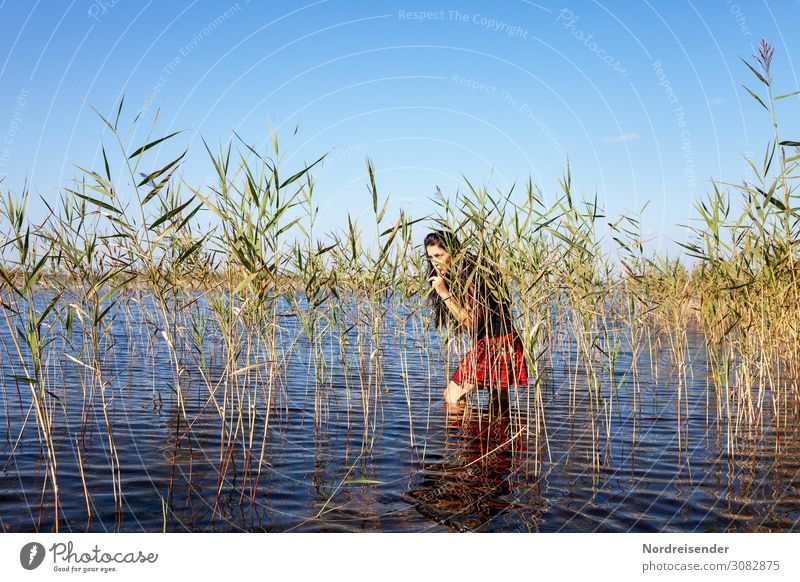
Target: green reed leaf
95, 201
756, 97
756, 73
153, 175
301, 173
119, 112
34, 276
792, 94
163, 218
146, 147
116, 289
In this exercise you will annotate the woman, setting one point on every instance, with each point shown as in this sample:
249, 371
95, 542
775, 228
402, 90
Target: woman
475, 297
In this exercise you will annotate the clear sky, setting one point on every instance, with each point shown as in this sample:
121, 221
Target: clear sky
642, 97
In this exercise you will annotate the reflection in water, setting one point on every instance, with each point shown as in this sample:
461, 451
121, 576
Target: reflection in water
483, 457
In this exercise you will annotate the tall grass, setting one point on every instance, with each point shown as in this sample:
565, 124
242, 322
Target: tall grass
233, 306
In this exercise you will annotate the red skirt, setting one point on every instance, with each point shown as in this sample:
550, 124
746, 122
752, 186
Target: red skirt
494, 362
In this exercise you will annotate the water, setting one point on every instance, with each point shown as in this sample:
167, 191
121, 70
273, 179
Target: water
392, 461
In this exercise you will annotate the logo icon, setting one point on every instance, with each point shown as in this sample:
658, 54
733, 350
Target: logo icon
31, 555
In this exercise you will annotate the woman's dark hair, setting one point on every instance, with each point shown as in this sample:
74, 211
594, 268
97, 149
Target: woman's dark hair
488, 290
444, 239
455, 277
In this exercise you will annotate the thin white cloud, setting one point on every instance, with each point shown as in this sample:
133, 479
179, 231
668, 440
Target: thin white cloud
623, 137
716, 101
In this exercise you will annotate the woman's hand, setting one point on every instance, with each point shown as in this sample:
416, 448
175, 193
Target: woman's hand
439, 285
465, 316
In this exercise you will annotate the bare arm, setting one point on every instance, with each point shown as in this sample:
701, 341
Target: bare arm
468, 314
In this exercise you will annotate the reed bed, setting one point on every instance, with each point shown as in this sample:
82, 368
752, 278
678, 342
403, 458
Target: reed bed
230, 310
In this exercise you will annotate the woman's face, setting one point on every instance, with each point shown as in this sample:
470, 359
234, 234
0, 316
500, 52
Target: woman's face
439, 258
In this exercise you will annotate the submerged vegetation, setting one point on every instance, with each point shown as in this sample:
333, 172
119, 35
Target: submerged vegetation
228, 312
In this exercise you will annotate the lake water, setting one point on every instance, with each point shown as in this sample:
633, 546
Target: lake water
340, 458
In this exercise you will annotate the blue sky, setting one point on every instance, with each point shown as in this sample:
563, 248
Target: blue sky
642, 97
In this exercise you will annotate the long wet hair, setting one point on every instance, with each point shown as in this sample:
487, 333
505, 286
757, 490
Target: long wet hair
456, 276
